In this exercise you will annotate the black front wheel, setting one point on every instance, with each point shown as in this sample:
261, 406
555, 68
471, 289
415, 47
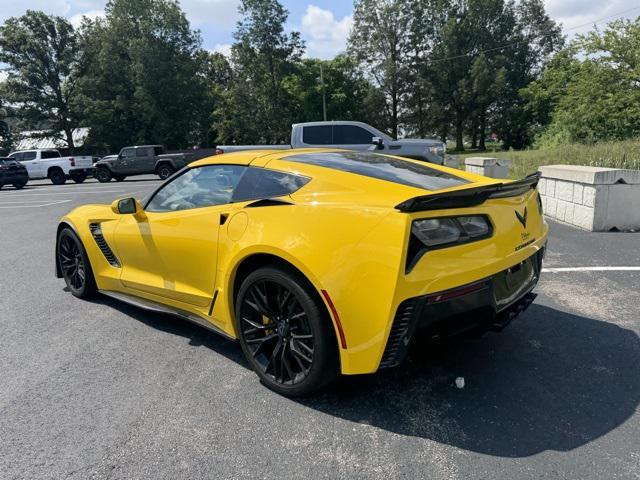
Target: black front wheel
103, 175
285, 333
79, 177
74, 265
119, 178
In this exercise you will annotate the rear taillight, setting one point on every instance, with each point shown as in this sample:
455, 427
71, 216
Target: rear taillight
219, 151
72, 161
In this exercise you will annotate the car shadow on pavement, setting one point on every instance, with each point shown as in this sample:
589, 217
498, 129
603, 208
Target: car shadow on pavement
552, 381
197, 335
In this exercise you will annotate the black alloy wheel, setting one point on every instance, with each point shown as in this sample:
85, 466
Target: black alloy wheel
285, 334
57, 177
74, 265
165, 171
103, 174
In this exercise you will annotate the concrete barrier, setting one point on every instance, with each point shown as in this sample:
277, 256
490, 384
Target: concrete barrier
592, 198
489, 167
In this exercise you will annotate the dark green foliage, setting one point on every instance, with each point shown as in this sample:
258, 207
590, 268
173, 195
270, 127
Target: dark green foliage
141, 76
42, 54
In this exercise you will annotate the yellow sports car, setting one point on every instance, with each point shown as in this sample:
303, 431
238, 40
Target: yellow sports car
320, 262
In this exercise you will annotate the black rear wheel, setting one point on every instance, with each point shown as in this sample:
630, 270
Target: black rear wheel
57, 176
79, 177
18, 186
285, 333
165, 171
119, 178
74, 265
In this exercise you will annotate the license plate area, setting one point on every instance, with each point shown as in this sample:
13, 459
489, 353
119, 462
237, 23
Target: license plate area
511, 284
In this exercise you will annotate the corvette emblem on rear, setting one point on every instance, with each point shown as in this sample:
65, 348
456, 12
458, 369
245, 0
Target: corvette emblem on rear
522, 218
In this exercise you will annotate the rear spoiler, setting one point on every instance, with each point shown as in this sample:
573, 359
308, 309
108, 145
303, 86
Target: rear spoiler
469, 197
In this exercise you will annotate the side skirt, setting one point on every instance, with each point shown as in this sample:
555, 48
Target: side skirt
152, 306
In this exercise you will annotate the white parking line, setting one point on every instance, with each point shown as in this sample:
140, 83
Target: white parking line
591, 269
2, 205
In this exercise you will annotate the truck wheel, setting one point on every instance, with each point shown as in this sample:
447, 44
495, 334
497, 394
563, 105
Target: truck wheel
165, 171
119, 178
17, 186
79, 177
57, 176
103, 175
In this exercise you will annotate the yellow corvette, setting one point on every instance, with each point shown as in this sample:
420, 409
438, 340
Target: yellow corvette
319, 261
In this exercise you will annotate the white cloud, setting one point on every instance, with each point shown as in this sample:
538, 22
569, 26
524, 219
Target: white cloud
221, 13
578, 16
76, 20
223, 48
324, 34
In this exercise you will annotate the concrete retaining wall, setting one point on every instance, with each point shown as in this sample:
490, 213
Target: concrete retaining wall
489, 167
591, 198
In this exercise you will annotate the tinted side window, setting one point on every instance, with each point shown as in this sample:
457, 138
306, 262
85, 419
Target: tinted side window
351, 135
262, 183
199, 187
28, 156
158, 150
144, 152
49, 154
320, 135
17, 156
128, 152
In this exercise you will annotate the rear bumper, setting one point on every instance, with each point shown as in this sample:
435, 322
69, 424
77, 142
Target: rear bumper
488, 304
11, 178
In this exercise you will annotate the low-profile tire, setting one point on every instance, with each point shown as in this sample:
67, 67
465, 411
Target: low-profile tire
119, 178
57, 176
75, 265
103, 174
18, 186
164, 171
285, 332
79, 177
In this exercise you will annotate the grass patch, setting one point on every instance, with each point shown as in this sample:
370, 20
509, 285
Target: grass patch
622, 154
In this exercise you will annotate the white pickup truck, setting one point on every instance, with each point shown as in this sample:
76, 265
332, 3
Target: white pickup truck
48, 163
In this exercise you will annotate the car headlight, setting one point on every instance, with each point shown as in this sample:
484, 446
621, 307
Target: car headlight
436, 232
438, 150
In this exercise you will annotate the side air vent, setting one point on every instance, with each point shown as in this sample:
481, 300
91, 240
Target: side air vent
96, 231
398, 341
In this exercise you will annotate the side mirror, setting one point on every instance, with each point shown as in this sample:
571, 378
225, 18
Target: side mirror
126, 206
377, 142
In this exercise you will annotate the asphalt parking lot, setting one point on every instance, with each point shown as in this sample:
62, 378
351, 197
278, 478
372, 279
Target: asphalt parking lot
103, 390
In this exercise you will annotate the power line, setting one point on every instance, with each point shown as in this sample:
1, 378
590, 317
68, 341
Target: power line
593, 22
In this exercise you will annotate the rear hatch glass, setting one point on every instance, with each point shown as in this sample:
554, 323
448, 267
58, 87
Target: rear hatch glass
382, 167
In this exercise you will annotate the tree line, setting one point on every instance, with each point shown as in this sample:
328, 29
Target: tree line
459, 70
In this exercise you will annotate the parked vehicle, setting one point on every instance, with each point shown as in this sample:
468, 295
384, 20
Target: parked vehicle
140, 160
13, 173
48, 163
319, 261
352, 136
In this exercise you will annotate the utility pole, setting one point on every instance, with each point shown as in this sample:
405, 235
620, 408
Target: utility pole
324, 97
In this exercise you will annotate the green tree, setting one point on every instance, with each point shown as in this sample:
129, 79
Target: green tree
379, 43
258, 105
143, 76
42, 54
349, 95
590, 92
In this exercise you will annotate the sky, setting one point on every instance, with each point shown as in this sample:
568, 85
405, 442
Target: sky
324, 24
